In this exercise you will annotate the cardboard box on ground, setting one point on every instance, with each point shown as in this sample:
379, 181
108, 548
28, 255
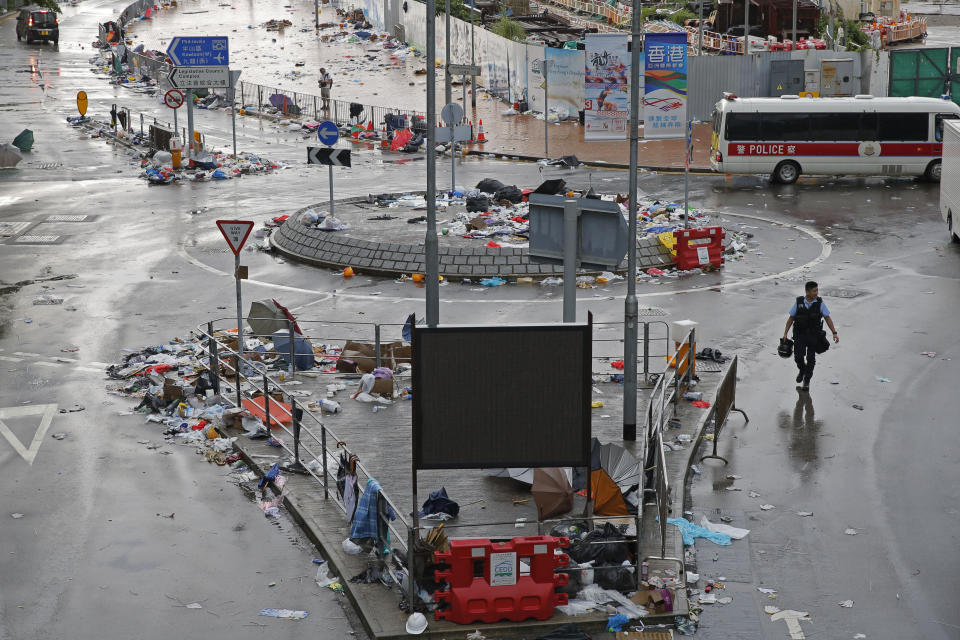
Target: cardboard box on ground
361, 357
653, 600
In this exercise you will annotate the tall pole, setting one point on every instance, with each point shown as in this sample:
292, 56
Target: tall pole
233, 114
330, 180
700, 27
831, 25
794, 24
746, 27
546, 106
236, 274
630, 311
686, 175
430, 243
447, 85
571, 215
190, 152
473, 79
316, 15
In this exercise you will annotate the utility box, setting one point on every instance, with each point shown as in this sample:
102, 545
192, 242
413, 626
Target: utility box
812, 80
786, 78
836, 77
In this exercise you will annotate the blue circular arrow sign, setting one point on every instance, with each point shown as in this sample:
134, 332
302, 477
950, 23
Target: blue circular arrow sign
328, 133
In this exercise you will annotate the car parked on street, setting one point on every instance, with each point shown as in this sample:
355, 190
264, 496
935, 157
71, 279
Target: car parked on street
38, 24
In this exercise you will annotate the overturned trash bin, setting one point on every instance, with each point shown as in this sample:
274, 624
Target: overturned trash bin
302, 349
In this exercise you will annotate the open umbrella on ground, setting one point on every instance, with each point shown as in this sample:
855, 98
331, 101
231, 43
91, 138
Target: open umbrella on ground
522, 474
619, 464
552, 492
268, 316
607, 499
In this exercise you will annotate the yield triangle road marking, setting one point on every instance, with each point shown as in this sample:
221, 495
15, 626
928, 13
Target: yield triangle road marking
46, 411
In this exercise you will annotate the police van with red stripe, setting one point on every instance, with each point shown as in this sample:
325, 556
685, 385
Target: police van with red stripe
861, 135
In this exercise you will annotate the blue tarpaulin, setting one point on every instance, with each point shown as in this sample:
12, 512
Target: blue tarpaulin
689, 531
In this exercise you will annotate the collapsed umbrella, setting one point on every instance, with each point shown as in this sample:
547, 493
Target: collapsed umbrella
552, 492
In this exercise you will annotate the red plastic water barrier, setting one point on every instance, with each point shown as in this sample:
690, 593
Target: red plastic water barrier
492, 581
699, 247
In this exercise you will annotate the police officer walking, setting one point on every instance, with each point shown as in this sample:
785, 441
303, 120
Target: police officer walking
806, 317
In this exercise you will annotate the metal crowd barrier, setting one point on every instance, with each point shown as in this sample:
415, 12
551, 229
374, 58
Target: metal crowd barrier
724, 402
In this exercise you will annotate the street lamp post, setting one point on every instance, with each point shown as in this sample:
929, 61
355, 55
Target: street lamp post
631, 309
430, 242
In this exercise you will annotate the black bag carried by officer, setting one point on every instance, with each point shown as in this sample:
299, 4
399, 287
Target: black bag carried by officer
820, 342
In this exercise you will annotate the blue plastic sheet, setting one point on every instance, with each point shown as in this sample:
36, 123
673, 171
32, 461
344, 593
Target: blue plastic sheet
617, 622
689, 531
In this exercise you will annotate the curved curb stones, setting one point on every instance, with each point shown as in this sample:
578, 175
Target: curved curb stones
375, 256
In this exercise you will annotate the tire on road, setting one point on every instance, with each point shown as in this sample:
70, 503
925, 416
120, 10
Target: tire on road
932, 174
787, 172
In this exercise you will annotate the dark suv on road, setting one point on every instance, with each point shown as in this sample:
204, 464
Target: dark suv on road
38, 24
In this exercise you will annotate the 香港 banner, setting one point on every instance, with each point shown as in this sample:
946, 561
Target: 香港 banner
606, 108
665, 85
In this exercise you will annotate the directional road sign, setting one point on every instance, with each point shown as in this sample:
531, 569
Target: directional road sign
236, 233
463, 69
173, 98
332, 157
328, 133
199, 78
199, 51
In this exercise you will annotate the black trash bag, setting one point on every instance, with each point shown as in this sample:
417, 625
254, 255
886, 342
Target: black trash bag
602, 554
617, 578
572, 530
512, 194
551, 187
478, 204
566, 632
489, 185
356, 110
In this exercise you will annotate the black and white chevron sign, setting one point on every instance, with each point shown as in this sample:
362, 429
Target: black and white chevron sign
326, 155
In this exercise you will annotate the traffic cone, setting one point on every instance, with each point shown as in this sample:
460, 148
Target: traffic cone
480, 137
370, 126
384, 143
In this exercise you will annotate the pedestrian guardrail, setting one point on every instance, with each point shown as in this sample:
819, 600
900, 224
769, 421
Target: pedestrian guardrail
311, 438
661, 410
724, 402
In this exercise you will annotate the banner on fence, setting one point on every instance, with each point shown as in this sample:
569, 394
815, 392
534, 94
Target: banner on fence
606, 107
665, 85
565, 81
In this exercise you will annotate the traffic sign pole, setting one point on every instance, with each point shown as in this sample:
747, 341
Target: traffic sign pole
236, 232
571, 214
330, 167
233, 116
190, 151
236, 275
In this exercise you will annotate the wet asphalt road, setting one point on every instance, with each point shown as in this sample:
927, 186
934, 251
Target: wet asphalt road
91, 555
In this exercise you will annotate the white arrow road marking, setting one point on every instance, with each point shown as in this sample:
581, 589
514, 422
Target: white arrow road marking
792, 618
6, 413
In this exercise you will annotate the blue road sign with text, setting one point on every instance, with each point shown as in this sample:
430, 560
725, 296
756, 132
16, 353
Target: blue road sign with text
328, 133
199, 51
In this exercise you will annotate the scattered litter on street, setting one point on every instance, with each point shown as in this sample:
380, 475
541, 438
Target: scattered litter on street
847, 604
288, 614
850, 532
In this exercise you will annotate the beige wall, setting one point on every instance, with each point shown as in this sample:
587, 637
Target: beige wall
852, 8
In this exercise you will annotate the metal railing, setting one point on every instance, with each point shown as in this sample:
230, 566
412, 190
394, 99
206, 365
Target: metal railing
661, 410
311, 438
723, 403
259, 99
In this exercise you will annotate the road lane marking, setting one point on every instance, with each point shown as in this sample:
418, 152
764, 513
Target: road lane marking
46, 411
26, 354
9, 359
